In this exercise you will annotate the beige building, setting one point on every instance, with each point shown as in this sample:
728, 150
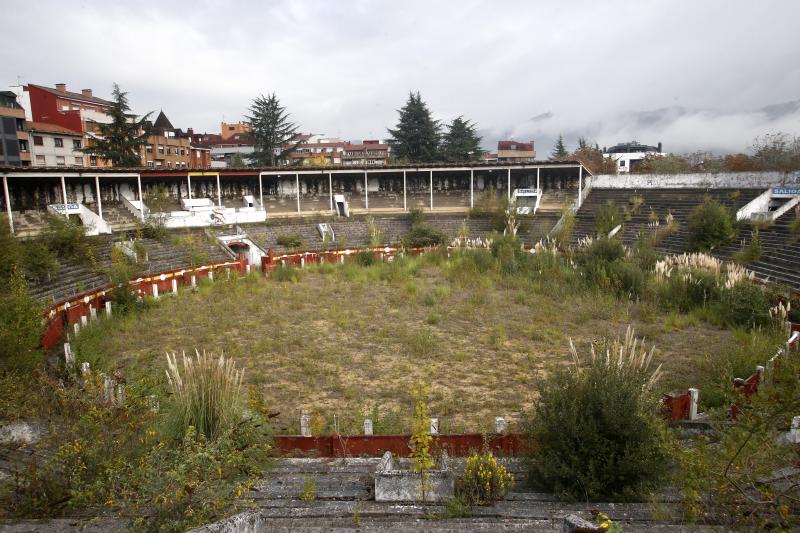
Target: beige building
166, 148
52, 145
515, 152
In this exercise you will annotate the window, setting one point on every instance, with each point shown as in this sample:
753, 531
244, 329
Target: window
40, 160
79, 161
621, 163
158, 163
160, 149
23, 145
59, 142
20, 124
149, 163
38, 141
76, 144
149, 149
169, 164
60, 161
93, 161
169, 150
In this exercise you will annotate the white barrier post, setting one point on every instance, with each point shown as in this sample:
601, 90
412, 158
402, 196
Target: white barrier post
76, 327
84, 321
794, 431
434, 426
174, 286
305, 431
108, 308
694, 396
247, 268
85, 369
92, 313
69, 357
155, 291
500, 425
194, 281
367, 426
121, 395
211, 275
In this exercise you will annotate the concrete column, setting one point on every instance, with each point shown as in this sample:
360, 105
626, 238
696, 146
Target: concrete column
431, 184
219, 193
580, 186
64, 195
509, 184
330, 189
8, 204
260, 191
99, 202
537, 177
297, 183
405, 207
189, 185
366, 191
471, 188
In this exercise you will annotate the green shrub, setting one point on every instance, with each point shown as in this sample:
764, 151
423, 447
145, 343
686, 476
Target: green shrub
365, 258
607, 218
794, 227
710, 225
595, 431
606, 249
423, 235
289, 241
205, 394
10, 253
20, 325
692, 290
746, 304
564, 235
507, 250
39, 259
628, 279
416, 216
66, 238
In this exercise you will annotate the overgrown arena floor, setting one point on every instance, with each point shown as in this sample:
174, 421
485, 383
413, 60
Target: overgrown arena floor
341, 342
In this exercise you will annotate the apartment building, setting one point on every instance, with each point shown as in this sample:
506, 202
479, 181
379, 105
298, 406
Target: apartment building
52, 145
167, 146
13, 137
75, 112
365, 153
515, 152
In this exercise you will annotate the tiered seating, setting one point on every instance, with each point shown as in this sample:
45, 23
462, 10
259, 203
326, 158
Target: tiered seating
780, 258
118, 217
74, 277
655, 203
28, 223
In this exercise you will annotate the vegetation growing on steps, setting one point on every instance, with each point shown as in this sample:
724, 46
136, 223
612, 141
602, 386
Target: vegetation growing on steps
710, 225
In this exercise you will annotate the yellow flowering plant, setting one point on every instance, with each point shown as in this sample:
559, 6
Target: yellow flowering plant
485, 480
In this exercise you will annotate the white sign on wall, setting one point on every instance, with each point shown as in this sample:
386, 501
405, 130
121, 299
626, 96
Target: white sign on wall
71, 209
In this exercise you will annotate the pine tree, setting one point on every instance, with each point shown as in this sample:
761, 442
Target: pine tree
271, 130
461, 142
119, 141
559, 150
416, 136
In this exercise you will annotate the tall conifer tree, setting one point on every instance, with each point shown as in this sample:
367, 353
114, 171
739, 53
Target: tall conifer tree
272, 131
461, 142
120, 140
559, 150
416, 136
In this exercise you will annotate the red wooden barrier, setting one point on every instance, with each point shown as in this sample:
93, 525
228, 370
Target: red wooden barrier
676, 407
376, 445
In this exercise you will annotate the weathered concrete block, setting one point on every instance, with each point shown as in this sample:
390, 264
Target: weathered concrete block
395, 485
573, 523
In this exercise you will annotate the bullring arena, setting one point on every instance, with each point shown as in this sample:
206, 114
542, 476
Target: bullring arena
268, 266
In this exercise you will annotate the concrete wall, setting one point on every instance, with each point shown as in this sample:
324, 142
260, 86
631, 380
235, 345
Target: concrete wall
722, 180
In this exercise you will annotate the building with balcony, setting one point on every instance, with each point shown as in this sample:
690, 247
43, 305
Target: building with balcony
629, 155
229, 130
366, 153
76, 112
515, 152
52, 145
14, 148
166, 146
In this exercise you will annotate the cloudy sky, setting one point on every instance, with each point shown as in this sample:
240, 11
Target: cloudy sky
694, 74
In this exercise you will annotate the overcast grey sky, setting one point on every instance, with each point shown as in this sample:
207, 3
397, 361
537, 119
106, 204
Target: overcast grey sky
693, 74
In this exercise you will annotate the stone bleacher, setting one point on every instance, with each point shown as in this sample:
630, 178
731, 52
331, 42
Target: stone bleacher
73, 277
780, 261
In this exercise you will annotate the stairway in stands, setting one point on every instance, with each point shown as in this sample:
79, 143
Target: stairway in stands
118, 217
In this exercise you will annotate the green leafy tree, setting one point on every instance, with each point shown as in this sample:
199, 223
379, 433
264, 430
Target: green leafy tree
20, 324
461, 142
559, 150
271, 129
416, 136
120, 140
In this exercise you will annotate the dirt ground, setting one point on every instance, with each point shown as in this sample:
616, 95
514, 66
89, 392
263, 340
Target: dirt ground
349, 342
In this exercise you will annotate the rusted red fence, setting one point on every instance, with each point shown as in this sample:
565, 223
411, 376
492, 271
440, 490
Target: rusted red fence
69, 311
